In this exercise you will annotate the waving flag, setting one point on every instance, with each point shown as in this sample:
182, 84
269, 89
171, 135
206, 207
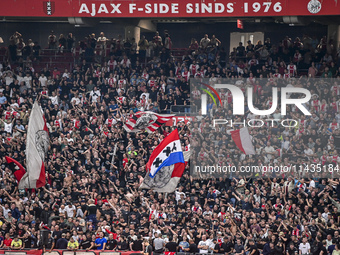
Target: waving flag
166, 165
36, 148
148, 121
17, 169
167, 178
167, 153
242, 140
44, 226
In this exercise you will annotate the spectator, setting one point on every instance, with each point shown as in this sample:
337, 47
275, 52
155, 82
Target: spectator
192, 247
240, 51
62, 242
112, 244
49, 246
72, 245
203, 245
143, 45
158, 243
7, 241
70, 42
252, 248
204, 43
336, 251
136, 245
62, 43
148, 247
304, 247
16, 243
171, 246
70, 211
52, 40
101, 242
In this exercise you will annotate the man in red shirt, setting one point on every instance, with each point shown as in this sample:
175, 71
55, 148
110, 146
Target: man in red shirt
7, 241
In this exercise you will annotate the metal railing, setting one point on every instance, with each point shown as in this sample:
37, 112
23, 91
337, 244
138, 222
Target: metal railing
55, 57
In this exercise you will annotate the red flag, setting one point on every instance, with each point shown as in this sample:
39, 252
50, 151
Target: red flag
239, 24
17, 169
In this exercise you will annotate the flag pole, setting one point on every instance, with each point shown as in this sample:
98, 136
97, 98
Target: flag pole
113, 156
28, 178
29, 184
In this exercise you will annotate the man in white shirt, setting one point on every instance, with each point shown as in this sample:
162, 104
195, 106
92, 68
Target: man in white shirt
75, 100
5, 210
204, 42
269, 151
95, 94
311, 184
70, 210
43, 80
179, 192
54, 98
9, 78
308, 151
285, 144
62, 210
28, 80
66, 74
8, 126
20, 78
325, 214
146, 96
304, 247
101, 40
203, 245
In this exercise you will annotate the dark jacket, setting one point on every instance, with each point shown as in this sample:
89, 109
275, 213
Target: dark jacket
61, 243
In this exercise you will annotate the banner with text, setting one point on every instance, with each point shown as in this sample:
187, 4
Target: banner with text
167, 8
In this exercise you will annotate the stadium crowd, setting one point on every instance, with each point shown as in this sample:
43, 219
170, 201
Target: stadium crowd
94, 167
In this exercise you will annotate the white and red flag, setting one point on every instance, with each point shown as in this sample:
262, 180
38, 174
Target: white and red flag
166, 165
37, 144
243, 141
44, 226
17, 169
148, 121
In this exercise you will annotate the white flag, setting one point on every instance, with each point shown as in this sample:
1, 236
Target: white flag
243, 141
37, 144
